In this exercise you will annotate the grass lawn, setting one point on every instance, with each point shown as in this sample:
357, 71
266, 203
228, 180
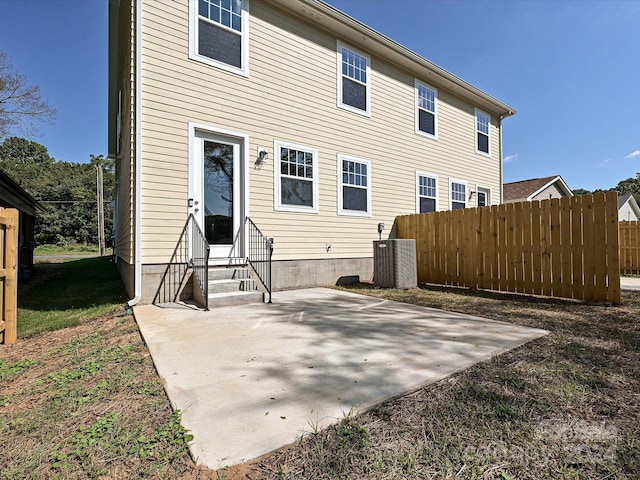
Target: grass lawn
60, 295
73, 249
565, 406
86, 402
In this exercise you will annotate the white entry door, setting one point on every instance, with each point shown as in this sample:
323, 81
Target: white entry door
215, 190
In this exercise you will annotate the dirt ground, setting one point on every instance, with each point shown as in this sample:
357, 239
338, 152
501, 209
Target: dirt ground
86, 402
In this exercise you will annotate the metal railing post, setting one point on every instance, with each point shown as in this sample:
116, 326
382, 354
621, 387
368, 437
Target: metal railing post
259, 255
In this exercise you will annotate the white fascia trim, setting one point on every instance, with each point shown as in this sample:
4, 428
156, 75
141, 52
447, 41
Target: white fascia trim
353, 213
277, 202
426, 174
137, 269
501, 189
466, 191
416, 84
193, 41
339, 46
475, 132
548, 184
634, 205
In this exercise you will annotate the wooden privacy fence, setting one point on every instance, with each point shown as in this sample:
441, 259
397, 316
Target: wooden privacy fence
8, 275
630, 248
565, 247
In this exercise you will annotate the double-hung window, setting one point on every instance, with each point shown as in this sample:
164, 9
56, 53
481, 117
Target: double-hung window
296, 178
354, 80
354, 186
426, 192
219, 33
458, 194
483, 120
426, 98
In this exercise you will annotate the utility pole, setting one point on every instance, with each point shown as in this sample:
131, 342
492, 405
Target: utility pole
99, 192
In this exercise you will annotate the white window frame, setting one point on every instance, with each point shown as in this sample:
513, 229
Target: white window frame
193, 41
466, 192
339, 47
487, 190
418, 196
277, 190
487, 133
353, 213
417, 84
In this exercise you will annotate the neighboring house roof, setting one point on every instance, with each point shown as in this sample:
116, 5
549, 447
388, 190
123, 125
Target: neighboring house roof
14, 196
628, 198
527, 189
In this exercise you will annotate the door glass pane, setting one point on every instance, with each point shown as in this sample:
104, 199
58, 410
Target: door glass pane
218, 193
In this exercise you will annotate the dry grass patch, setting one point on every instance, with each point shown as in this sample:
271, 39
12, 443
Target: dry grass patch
86, 402
563, 406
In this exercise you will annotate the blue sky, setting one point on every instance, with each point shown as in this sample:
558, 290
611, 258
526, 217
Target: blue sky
570, 68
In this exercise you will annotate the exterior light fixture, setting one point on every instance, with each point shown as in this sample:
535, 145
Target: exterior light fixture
263, 156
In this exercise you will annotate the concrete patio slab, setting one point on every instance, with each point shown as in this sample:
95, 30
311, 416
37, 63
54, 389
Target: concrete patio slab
253, 378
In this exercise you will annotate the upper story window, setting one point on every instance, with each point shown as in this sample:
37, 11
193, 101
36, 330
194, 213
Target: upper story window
425, 109
218, 33
354, 186
458, 194
427, 192
354, 80
296, 178
482, 132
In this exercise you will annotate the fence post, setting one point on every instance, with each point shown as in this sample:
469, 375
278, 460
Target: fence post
9, 217
613, 249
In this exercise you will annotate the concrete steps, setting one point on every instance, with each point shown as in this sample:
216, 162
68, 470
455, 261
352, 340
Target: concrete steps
232, 285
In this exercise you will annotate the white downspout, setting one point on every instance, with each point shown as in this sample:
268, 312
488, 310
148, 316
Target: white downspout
137, 269
501, 160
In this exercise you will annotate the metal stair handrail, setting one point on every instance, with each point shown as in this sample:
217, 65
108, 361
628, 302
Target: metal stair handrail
259, 255
200, 258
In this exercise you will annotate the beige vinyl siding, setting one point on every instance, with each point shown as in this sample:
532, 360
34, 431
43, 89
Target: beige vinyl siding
291, 95
552, 191
125, 182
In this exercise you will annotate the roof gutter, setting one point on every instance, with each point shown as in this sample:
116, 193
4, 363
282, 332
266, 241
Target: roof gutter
137, 269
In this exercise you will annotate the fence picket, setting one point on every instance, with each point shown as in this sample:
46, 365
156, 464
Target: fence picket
600, 243
9, 275
630, 247
613, 248
565, 248
577, 246
566, 278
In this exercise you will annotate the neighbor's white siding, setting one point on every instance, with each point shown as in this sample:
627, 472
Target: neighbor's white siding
291, 95
627, 213
552, 191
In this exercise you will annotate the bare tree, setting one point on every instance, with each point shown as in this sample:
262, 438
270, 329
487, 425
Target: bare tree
20, 104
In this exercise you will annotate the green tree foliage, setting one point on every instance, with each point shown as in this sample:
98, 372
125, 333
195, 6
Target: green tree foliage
630, 185
580, 191
66, 190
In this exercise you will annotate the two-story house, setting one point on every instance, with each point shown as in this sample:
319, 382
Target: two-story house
289, 112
